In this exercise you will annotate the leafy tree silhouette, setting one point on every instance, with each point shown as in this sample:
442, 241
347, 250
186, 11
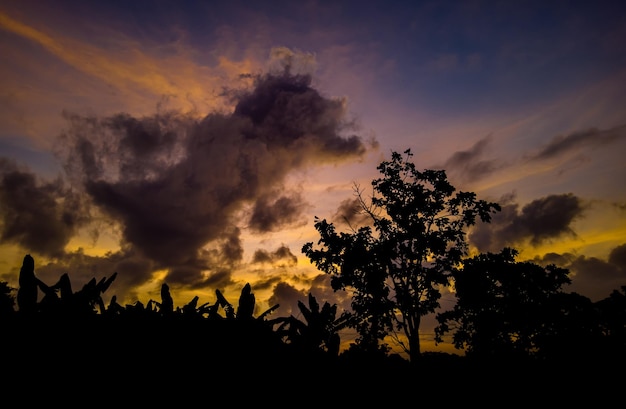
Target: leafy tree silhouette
517, 310
396, 269
613, 323
570, 330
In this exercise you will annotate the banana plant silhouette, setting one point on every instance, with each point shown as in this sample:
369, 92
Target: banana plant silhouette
244, 311
87, 301
320, 330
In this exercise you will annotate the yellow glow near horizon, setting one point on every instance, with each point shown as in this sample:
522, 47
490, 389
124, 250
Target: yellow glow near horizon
594, 238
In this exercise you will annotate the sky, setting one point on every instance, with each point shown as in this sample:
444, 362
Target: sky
194, 142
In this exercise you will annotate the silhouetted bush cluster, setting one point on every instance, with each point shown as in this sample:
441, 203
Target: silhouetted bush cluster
75, 324
72, 336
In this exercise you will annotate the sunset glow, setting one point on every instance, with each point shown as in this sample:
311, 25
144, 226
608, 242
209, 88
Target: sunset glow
136, 140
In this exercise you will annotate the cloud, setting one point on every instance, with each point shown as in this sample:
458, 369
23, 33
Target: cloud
287, 296
286, 113
578, 141
617, 257
591, 276
282, 255
538, 221
38, 215
468, 165
176, 184
158, 67
479, 167
350, 211
272, 212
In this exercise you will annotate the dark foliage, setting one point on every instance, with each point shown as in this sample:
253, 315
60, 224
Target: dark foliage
518, 311
69, 344
396, 267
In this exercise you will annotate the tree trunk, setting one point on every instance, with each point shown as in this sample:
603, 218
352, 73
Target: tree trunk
414, 344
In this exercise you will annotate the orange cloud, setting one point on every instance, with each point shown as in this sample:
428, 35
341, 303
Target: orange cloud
126, 67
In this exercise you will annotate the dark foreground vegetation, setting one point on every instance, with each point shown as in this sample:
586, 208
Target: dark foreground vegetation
71, 343
525, 340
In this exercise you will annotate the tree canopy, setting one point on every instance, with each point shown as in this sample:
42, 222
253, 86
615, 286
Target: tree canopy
508, 309
396, 266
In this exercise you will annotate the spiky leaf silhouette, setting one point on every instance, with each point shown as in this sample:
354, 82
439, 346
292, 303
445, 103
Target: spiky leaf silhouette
245, 310
320, 329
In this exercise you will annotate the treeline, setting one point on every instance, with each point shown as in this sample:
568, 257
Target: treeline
510, 314
51, 326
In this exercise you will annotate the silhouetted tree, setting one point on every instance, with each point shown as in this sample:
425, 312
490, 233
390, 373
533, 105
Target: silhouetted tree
397, 266
570, 329
612, 312
512, 309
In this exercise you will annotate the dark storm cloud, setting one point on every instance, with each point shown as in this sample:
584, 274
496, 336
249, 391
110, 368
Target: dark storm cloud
468, 165
231, 246
218, 262
272, 213
175, 183
218, 279
281, 255
576, 141
187, 275
591, 276
37, 215
285, 113
617, 257
287, 296
550, 216
538, 221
